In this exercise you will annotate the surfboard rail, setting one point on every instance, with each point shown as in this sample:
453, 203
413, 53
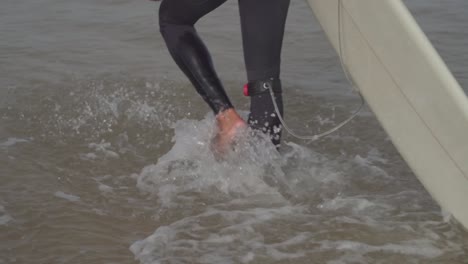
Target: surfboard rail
409, 88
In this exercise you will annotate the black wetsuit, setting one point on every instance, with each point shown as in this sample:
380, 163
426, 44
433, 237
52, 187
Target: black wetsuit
262, 23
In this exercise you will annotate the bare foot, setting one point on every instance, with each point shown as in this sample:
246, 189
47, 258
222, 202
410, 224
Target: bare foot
229, 125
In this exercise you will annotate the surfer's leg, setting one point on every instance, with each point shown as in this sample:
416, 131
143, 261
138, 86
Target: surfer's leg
263, 24
177, 19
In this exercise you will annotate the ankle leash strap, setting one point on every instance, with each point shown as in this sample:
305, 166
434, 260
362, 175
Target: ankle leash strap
260, 87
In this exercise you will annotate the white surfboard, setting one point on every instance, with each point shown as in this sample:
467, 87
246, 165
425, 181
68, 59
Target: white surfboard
409, 88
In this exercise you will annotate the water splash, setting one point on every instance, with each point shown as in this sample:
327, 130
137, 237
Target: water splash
263, 206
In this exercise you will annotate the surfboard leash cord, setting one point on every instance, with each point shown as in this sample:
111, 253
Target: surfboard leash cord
316, 137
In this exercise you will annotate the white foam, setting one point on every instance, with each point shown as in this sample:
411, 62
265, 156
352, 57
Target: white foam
233, 238
253, 174
5, 218
357, 205
369, 164
105, 188
420, 247
190, 165
88, 156
66, 196
258, 205
247, 257
374, 155
446, 215
11, 141
103, 148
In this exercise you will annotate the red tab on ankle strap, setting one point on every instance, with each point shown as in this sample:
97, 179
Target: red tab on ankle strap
246, 89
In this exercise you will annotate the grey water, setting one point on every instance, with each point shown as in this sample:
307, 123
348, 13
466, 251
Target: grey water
105, 148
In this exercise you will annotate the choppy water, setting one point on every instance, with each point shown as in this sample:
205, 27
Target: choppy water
104, 148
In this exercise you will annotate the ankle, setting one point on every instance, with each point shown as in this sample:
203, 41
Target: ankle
228, 119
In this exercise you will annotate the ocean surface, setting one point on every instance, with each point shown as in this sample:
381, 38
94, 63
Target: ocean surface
105, 148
